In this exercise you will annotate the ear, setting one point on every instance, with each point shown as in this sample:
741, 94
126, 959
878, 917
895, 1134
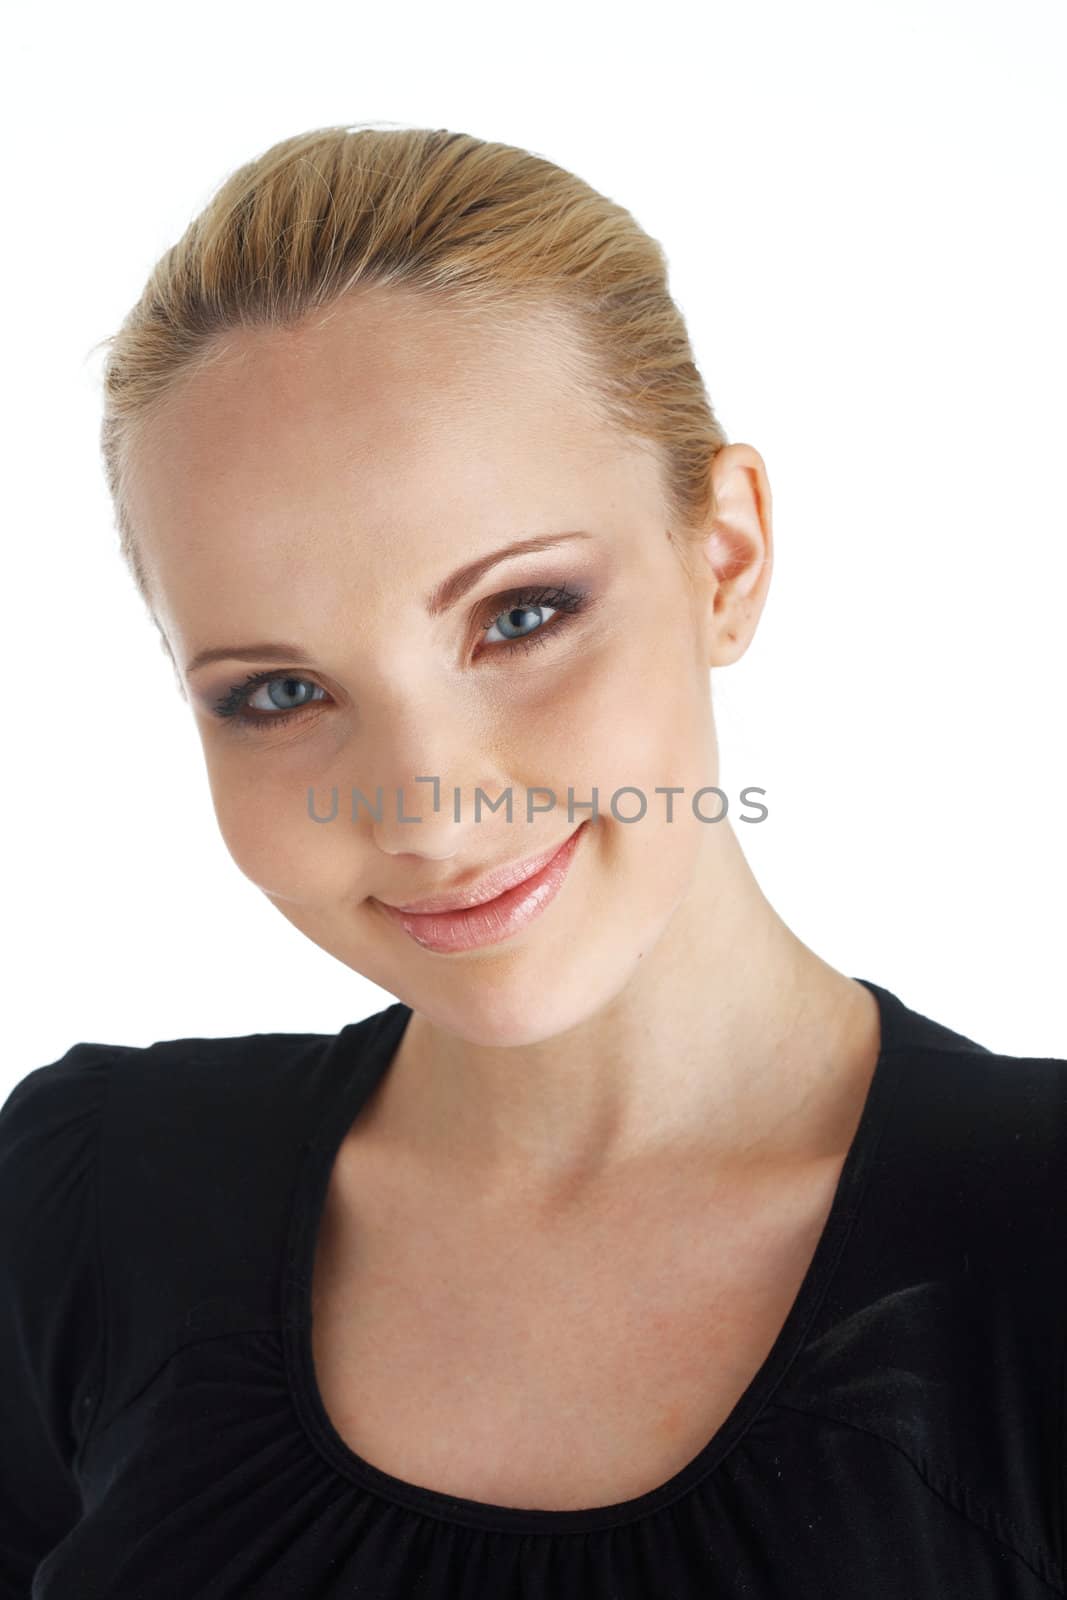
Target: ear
737, 552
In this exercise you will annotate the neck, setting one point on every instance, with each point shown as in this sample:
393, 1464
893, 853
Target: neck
732, 1042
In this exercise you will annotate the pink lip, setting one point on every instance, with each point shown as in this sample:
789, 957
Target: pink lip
488, 888
487, 920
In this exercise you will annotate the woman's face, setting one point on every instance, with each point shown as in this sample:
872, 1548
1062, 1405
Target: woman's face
312, 489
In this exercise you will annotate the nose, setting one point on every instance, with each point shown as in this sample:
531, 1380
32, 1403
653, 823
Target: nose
429, 763
439, 817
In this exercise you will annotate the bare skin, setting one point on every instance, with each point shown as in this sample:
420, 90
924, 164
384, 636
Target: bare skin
559, 1359
655, 1069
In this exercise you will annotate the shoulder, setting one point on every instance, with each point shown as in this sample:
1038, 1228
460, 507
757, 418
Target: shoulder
968, 1079
974, 1148
51, 1344
50, 1126
55, 1111
53, 1119
969, 1161
51, 1114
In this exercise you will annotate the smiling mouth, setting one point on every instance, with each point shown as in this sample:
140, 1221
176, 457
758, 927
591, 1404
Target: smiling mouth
490, 921
489, 887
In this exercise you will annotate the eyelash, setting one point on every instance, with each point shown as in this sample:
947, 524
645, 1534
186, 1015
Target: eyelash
569, 602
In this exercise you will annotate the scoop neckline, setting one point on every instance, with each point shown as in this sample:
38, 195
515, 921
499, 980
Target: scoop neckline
361, 1062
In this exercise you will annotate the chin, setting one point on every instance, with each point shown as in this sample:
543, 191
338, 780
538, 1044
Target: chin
518, 1004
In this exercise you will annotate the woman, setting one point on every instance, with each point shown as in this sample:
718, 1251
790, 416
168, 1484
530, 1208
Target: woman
635, 1250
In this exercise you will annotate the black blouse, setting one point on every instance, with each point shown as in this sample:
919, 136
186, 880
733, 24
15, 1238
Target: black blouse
162, 1436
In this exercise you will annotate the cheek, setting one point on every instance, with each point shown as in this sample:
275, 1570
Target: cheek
636, 713
266, 828
634, 716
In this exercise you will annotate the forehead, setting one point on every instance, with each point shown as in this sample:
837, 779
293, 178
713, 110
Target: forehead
376, 385
384, 438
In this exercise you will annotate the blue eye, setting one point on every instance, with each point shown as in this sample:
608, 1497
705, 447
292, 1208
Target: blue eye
235, 702
526, 605
521, 612
287, 686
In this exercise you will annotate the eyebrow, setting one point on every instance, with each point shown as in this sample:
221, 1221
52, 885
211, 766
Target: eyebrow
440, 599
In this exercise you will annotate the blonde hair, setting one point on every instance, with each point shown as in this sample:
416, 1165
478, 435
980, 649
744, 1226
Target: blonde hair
484, 229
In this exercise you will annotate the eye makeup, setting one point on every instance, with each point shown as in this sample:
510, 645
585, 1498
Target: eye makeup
566, 601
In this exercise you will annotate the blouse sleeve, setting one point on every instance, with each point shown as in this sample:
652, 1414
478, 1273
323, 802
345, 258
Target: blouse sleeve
51, 1325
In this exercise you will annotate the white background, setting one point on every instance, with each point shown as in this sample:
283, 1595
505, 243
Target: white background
862, 206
